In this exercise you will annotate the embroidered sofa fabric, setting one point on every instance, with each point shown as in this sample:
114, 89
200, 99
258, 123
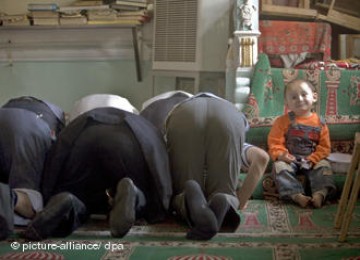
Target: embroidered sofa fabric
338, 104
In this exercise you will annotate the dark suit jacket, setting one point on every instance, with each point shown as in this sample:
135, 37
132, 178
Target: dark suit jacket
150, 140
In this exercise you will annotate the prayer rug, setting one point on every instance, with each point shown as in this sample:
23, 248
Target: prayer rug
268, 230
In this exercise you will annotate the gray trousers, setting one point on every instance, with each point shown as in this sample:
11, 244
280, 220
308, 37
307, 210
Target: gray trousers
205, 137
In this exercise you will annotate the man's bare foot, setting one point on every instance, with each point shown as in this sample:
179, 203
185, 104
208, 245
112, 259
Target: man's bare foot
23, 205
302, 200
317, 200
243, 207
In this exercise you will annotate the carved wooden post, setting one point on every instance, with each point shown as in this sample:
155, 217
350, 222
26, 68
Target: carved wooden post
246, 16
246, 22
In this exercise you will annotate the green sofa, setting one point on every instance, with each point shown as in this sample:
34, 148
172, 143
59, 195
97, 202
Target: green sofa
338, 104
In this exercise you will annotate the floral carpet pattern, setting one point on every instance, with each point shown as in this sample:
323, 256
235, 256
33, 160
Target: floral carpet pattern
269, 229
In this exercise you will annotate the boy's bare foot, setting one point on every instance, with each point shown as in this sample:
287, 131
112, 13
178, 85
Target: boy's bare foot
317, 200
302, 200
23, 205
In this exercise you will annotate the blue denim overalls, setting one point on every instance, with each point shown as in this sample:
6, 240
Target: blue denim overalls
301, 141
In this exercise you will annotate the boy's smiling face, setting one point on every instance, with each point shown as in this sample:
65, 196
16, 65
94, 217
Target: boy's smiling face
300, 98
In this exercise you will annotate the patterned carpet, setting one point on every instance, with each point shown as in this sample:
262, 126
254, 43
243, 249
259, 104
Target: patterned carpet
268, 230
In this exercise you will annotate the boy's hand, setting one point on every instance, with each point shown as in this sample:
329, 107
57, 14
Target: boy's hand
286, 157
305, 164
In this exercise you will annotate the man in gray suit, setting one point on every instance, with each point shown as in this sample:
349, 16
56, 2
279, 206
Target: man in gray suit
204, 135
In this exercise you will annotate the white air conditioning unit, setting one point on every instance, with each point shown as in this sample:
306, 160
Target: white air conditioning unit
191, 35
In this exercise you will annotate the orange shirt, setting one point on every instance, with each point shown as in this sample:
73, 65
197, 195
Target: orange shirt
277, 142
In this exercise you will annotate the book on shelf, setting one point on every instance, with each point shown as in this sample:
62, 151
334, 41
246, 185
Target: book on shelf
44, 17
136, 1
109, 14
148, 11
88, 2
72, 14
46, 21
82, 7
130, 3
114, 22
42, 7
140, 18
75, 20
44, 14
132, 13
15, 20
125, 7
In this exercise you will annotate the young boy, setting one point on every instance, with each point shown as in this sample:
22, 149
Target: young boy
298, 143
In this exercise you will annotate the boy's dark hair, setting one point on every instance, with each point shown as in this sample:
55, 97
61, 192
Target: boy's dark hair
312, 87
292, 82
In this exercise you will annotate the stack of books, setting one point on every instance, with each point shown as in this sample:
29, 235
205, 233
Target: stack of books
43, 14
44, 17
78, 12
81, 6
42, 7
132, 11
120, 12
72, 18
88, 2
14, 20
141, 16
102, 16
128, 5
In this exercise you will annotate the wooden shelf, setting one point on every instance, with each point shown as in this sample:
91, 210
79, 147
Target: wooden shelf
340, 9
345, 20
65, 27
302, 11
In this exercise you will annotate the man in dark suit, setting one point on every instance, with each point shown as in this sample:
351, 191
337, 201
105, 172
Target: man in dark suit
28, 128
104, 152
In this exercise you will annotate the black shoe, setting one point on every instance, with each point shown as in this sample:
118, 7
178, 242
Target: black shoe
123, 213
60, 217
202, 217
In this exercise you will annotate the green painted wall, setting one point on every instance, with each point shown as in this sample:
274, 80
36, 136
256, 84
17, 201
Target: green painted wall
64, 82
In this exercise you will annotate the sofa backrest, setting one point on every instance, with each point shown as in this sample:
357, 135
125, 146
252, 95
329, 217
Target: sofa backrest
338, 103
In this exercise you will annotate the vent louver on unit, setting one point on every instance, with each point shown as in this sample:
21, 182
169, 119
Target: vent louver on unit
175, 34
190, 35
